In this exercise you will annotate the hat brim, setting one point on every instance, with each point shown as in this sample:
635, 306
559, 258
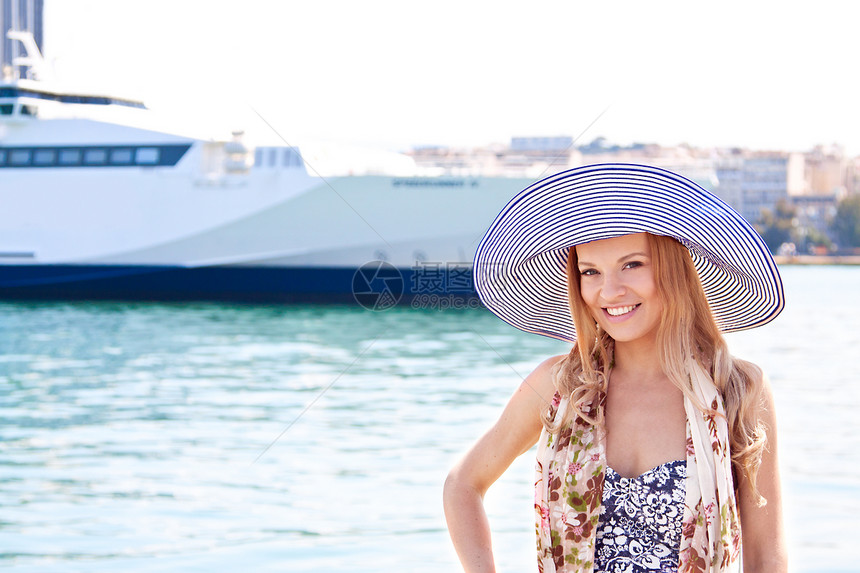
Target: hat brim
520, 263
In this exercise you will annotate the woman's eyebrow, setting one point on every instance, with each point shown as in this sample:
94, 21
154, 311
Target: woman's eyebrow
622, 259
632, 255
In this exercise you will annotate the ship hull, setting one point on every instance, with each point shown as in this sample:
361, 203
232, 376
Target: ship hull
374, 285
171, 283
292, 239
101, 210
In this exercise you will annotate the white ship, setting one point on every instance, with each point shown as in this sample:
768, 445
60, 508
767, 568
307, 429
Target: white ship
101, 201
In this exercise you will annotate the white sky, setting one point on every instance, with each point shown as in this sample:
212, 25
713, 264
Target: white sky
766, 75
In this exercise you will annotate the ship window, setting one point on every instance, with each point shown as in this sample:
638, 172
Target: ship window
43, 157
120, 156
258, 157
273, 157
19, 157
70, 156
28, 110
6, 109
95, 156
90, 156
146, 156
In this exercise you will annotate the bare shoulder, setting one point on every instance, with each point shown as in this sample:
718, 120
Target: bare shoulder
515, 432
541, 381
520, 423
529, 401
766, 393
762, 523
763, 391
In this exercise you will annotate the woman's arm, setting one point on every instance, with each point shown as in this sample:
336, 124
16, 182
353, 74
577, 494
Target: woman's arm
764, 545
517, 430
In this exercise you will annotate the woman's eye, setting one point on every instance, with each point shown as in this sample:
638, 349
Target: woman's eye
633, 265
588, 272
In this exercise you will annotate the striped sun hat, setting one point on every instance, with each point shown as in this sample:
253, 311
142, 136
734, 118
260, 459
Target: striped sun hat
520, 264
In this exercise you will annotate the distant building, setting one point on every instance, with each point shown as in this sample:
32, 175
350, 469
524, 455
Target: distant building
852, 176
730, 177
531, 157
826, 171
692, 163
22, 16
557, 143
754, 181
749, 181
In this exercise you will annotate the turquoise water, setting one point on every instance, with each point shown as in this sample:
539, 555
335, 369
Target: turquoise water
143, 437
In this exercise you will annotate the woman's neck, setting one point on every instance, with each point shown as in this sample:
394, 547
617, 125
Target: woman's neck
640, 357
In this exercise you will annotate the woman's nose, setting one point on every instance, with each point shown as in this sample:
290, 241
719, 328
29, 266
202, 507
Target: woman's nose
612, 287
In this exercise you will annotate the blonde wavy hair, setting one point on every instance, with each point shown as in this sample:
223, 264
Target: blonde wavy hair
687, 328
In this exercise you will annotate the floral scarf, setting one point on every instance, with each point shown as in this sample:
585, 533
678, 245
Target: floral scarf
569, 487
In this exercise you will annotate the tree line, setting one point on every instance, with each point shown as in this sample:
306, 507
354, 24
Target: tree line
780, 226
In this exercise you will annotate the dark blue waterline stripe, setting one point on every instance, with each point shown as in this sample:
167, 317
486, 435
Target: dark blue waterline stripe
243, 284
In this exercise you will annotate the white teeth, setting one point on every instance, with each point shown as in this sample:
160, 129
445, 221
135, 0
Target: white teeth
619, 310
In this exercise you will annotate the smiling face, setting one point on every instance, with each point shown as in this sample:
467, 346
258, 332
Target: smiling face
618, 286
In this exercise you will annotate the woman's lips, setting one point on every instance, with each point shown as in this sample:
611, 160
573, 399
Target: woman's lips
620, 312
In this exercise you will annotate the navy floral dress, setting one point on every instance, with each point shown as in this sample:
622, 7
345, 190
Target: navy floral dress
639, 527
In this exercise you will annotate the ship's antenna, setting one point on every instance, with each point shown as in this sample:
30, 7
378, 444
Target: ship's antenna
39, 68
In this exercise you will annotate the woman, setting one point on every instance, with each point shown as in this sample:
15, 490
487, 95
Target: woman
656, 448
